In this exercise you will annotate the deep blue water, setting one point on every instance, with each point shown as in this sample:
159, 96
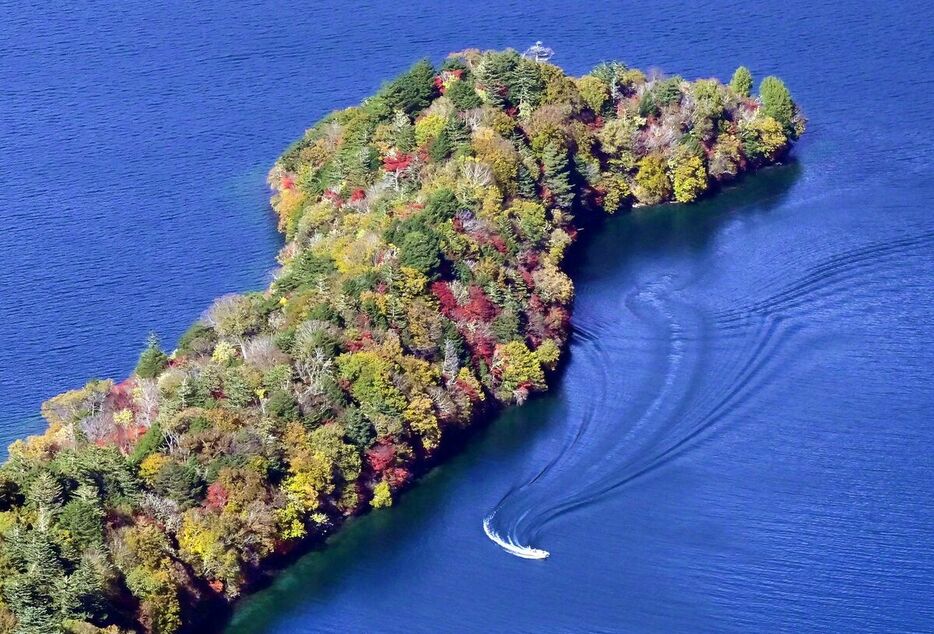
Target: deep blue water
741, 440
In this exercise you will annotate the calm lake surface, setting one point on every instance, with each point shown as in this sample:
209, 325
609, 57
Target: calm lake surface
741, 440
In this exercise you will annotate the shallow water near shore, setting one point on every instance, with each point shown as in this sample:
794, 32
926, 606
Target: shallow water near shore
740, 438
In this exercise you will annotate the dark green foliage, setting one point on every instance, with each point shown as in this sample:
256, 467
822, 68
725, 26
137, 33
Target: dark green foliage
276, 377
455, 63
10, 493
223, 462
463, 272
558, 174
527, 84
152, 361
198, 424
187, 392
356, 165
403, 137
506, 327
322, 339
458, 132
664, 93
668, 91
237, 389
442, 205
326, 312
199, 339
648, 105
180, 482
208, 386
463, 96
526, 186
612, 74
420, 251
315, 182
282, 405
318, 416
304, 271
103, 468
454, 137
353, 287
441, 147
777, 103
359, 123
690, 146
151, 441
495, 75
30, 592
358, 429
450, 333
333, 394
484, 371
412, 91
285, 340
83, 521
508, 79
263, 305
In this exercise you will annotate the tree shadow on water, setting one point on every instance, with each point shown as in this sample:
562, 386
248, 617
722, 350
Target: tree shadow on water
674, 227
377, 538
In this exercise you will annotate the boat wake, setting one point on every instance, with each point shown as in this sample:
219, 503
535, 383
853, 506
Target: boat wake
509, 544
677, 417
715, 364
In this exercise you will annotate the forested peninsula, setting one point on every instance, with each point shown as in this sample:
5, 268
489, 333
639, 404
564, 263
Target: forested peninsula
420, 289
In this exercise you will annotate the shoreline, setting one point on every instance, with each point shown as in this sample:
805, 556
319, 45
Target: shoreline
422, 290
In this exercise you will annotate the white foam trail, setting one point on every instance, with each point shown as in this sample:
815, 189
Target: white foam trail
510, 546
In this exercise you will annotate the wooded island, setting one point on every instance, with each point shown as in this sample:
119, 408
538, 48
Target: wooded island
421, 288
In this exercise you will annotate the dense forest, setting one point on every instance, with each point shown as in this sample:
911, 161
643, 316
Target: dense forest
420, 289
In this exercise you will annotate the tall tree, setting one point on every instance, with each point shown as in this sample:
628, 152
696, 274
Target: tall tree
413, 90
741, 82
153, 360
558, 174
777, 103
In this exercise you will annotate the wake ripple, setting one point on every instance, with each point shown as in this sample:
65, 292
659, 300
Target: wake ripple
828, 276
584, 339
589, 342
767, 326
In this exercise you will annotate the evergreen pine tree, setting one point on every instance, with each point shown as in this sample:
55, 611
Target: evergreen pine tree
777, 103
463, 96
412, 91
525, 183
45, 492
557, 174
441, 147
741, 82
153, 360
83, 522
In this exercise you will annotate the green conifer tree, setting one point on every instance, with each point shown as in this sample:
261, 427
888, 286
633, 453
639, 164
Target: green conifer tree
152, 360
558, 174
777, 103
741, 82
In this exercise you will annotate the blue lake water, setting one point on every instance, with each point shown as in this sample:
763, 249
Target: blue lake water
741, 440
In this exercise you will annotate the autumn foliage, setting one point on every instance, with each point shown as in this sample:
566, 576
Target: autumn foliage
420, 288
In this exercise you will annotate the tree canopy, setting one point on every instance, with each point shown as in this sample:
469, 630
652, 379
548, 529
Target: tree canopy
420, 288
